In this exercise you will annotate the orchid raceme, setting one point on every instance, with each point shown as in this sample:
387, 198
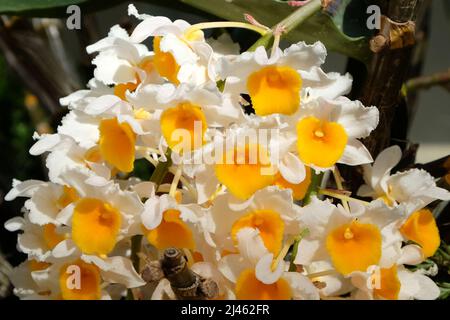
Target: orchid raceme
182, 141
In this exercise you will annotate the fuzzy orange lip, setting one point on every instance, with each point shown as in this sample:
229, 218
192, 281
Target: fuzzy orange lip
275, 89
95, 226
171, 232
186, 119
51, 237
389, 284
165, 63
245, 173
268, 223
421, 228
248, 287
87, 287
68, 196
117, 144
354, 246
320, 143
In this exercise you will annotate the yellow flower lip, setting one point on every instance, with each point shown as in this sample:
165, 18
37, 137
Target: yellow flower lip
165, 63
275, 89
248, 170
68, 196
320, 143
421, 228
117, 144
389, 283
354, 246
95, 226
184, 127
171, 232
121, 89
248, 287
269, 224
51, 237
35, 265
80, 281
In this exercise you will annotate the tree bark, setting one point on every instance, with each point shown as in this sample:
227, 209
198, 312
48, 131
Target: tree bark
388, 70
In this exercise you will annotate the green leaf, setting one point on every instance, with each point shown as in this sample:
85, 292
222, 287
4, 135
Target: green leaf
328, 28
342, 30
445, 290
53, 8
17, 6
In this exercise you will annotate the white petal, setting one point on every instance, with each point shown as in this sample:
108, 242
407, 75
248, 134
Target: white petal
14, 224
163, 290
355, 153
302, 56
45, 143
307, 250
120, 270
152, 214
411, 254
147, 28
23, 189
250, 244
327, 85
292, 169
145, 189
301, 286
264, 272
357, 119
232, 265
417, 286
111, 70
101, 104
64, 249
385, 161
65, 215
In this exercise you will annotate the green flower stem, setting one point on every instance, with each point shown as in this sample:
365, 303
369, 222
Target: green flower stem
313, 190
161, 170
293, 254
289, 23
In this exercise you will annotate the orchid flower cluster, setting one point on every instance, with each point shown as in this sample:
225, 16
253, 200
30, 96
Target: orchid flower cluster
241, 139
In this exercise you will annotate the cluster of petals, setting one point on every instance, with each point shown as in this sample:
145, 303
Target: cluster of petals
244, 225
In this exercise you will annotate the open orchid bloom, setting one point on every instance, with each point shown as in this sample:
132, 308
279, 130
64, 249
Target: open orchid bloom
181, 141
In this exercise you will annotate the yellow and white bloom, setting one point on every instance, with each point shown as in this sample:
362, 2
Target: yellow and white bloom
414, 188
76, 278
122, 63
109, 213
395, 282
270, 213
163, 217
279, 84
37, 241
181, 54
263, 281
327, 132
351, 241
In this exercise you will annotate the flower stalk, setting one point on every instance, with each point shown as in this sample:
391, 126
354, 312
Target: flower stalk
289, 23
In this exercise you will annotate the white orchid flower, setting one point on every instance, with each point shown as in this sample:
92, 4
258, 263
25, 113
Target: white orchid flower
415, 188
181, 54
279, 84
396, 281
